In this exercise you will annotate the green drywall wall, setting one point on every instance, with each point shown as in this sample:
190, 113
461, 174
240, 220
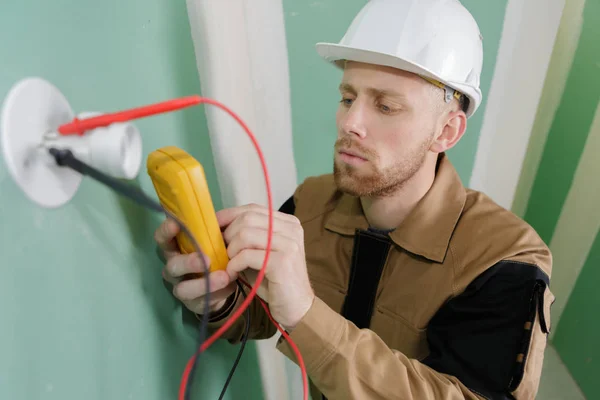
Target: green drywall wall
560, 196
85, 314
578, 223
576, 338
563, 53
569, 129
85, 311
490, 17
314, 83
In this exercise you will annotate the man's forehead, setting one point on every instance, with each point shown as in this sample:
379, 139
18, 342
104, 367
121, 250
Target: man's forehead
381, 82
373, 90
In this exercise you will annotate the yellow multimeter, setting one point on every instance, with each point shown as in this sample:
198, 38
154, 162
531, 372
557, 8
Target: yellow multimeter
181, 187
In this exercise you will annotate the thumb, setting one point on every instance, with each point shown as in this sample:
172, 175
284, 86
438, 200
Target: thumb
222, 277
227, 215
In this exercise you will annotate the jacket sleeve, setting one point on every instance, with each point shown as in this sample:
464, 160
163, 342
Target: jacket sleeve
261, 326
486, 343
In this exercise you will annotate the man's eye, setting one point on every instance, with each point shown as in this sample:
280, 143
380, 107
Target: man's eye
385, 109
346, 102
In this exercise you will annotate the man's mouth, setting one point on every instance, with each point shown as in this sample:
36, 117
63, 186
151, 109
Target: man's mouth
351, 157
352, 153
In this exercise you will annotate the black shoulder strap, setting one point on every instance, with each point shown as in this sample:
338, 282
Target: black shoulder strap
369, 255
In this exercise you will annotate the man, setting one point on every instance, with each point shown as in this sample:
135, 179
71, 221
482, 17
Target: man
394, 280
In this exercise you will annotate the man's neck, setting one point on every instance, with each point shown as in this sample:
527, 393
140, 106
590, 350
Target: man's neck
388, 212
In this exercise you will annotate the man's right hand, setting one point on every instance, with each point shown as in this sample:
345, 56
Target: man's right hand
181, 271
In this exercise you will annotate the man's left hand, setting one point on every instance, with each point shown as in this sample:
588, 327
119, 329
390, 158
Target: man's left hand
285, 286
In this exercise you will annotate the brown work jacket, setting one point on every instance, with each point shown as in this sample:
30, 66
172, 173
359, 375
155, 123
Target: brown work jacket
452, 304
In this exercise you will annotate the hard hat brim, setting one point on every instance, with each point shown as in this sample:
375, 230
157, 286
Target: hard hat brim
334, 53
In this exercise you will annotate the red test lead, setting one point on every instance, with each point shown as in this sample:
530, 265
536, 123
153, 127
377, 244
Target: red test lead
78, 127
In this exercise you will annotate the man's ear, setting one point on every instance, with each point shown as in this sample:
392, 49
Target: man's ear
453, 128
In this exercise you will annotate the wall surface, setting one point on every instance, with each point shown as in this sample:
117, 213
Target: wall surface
561, 60
560, 193
569, 130
528, 38
560, 203
84, 311
576, 339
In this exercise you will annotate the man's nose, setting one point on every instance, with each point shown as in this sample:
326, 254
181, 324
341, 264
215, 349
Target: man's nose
354, 122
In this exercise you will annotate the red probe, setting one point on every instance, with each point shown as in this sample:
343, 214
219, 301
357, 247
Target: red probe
78, 127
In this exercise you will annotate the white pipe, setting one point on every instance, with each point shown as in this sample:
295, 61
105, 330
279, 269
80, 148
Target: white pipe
242, 61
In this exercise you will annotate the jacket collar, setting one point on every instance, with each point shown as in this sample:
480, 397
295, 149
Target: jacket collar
427, 230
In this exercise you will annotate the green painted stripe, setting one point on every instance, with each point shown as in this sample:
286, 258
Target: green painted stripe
569, 130
561, 61
576, 337
578, 223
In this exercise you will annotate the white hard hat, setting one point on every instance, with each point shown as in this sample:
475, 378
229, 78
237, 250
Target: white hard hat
436, 39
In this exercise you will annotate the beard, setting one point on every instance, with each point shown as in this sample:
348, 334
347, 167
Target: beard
369, 180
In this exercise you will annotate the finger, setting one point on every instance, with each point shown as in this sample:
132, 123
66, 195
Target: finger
247, 264
198, 305
228, 215
165, 235
195, 288
247, 258
259, 220
256, 238
183, 264
171, 250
